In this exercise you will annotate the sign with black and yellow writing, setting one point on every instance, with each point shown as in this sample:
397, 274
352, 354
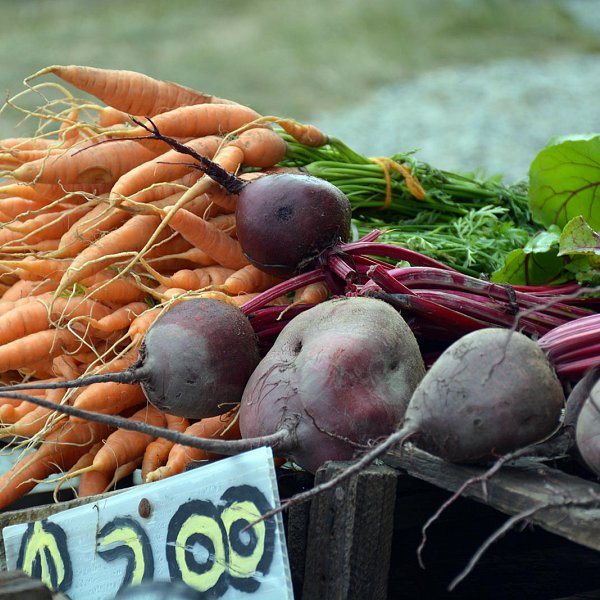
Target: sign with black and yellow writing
193, 528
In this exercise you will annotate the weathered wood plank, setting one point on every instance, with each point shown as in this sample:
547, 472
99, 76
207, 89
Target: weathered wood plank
349, 536
516, 489
17, 585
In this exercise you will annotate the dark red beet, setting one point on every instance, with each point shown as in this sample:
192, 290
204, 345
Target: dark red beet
194, 361
285, 221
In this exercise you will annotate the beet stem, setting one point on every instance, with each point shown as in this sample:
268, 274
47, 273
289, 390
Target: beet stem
131, 375
400, 436
283, 439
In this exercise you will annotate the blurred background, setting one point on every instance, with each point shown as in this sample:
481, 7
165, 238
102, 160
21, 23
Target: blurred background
469, 84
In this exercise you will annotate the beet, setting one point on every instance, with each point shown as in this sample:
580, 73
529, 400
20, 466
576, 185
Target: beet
285, 221
491, 392
194, 361
346, 367
587, 430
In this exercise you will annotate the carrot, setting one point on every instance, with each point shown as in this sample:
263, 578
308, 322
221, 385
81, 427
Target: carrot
33, 268
167, 167
222, 426
122, 446
195, 256
140, 325
163, 189
99, 482
120, 318
313, 293
208, 238
34, 347
100, 220
249, 279
109, 398
61, 189
22, 190
309, 135
15, 207
131, 236
26, 143
95, 164
157, 451
196, 279
107, 286
59, 451
37, 316
262, 147
42, 227
128, 91
225, 222
32, 421
197, 121
22, 289
16, 158
107, 116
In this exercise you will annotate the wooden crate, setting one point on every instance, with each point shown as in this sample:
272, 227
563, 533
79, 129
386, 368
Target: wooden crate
358, 543
359, 540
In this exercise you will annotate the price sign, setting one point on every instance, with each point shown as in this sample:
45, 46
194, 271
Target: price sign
191, 527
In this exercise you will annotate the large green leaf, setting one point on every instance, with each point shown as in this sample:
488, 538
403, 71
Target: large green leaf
580, 245
564, 182
537, 263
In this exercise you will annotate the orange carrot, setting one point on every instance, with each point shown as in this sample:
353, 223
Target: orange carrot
98, 482
140, 325
26, 143
262, 147
309, 135
37, 316
131, 236
31, 422
167, 167
128, 91
313, 293
109, 398
32, 348
164, 189
59, 451
120, 318
22, 289
197, 121
210, 239
157, 451
195, 256
101, 163
249, 279
97, 222
196, 279
107, 116
47, 226
15, 207
122, 446
222, 426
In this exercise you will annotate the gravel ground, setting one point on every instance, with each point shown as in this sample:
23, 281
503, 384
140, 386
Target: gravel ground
493, 118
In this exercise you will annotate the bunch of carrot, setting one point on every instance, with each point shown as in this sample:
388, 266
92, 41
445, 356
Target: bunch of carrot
102, 228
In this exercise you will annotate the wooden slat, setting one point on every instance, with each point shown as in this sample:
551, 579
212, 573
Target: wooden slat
516, 489
349, 535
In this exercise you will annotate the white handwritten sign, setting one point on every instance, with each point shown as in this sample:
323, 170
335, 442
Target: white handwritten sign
190, 528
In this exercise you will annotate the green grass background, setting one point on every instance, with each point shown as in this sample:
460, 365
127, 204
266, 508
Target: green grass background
290, 58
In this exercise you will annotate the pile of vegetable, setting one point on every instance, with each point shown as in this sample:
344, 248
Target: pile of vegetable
183, 278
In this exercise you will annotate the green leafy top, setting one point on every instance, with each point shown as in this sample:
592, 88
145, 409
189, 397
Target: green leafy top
564, 182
